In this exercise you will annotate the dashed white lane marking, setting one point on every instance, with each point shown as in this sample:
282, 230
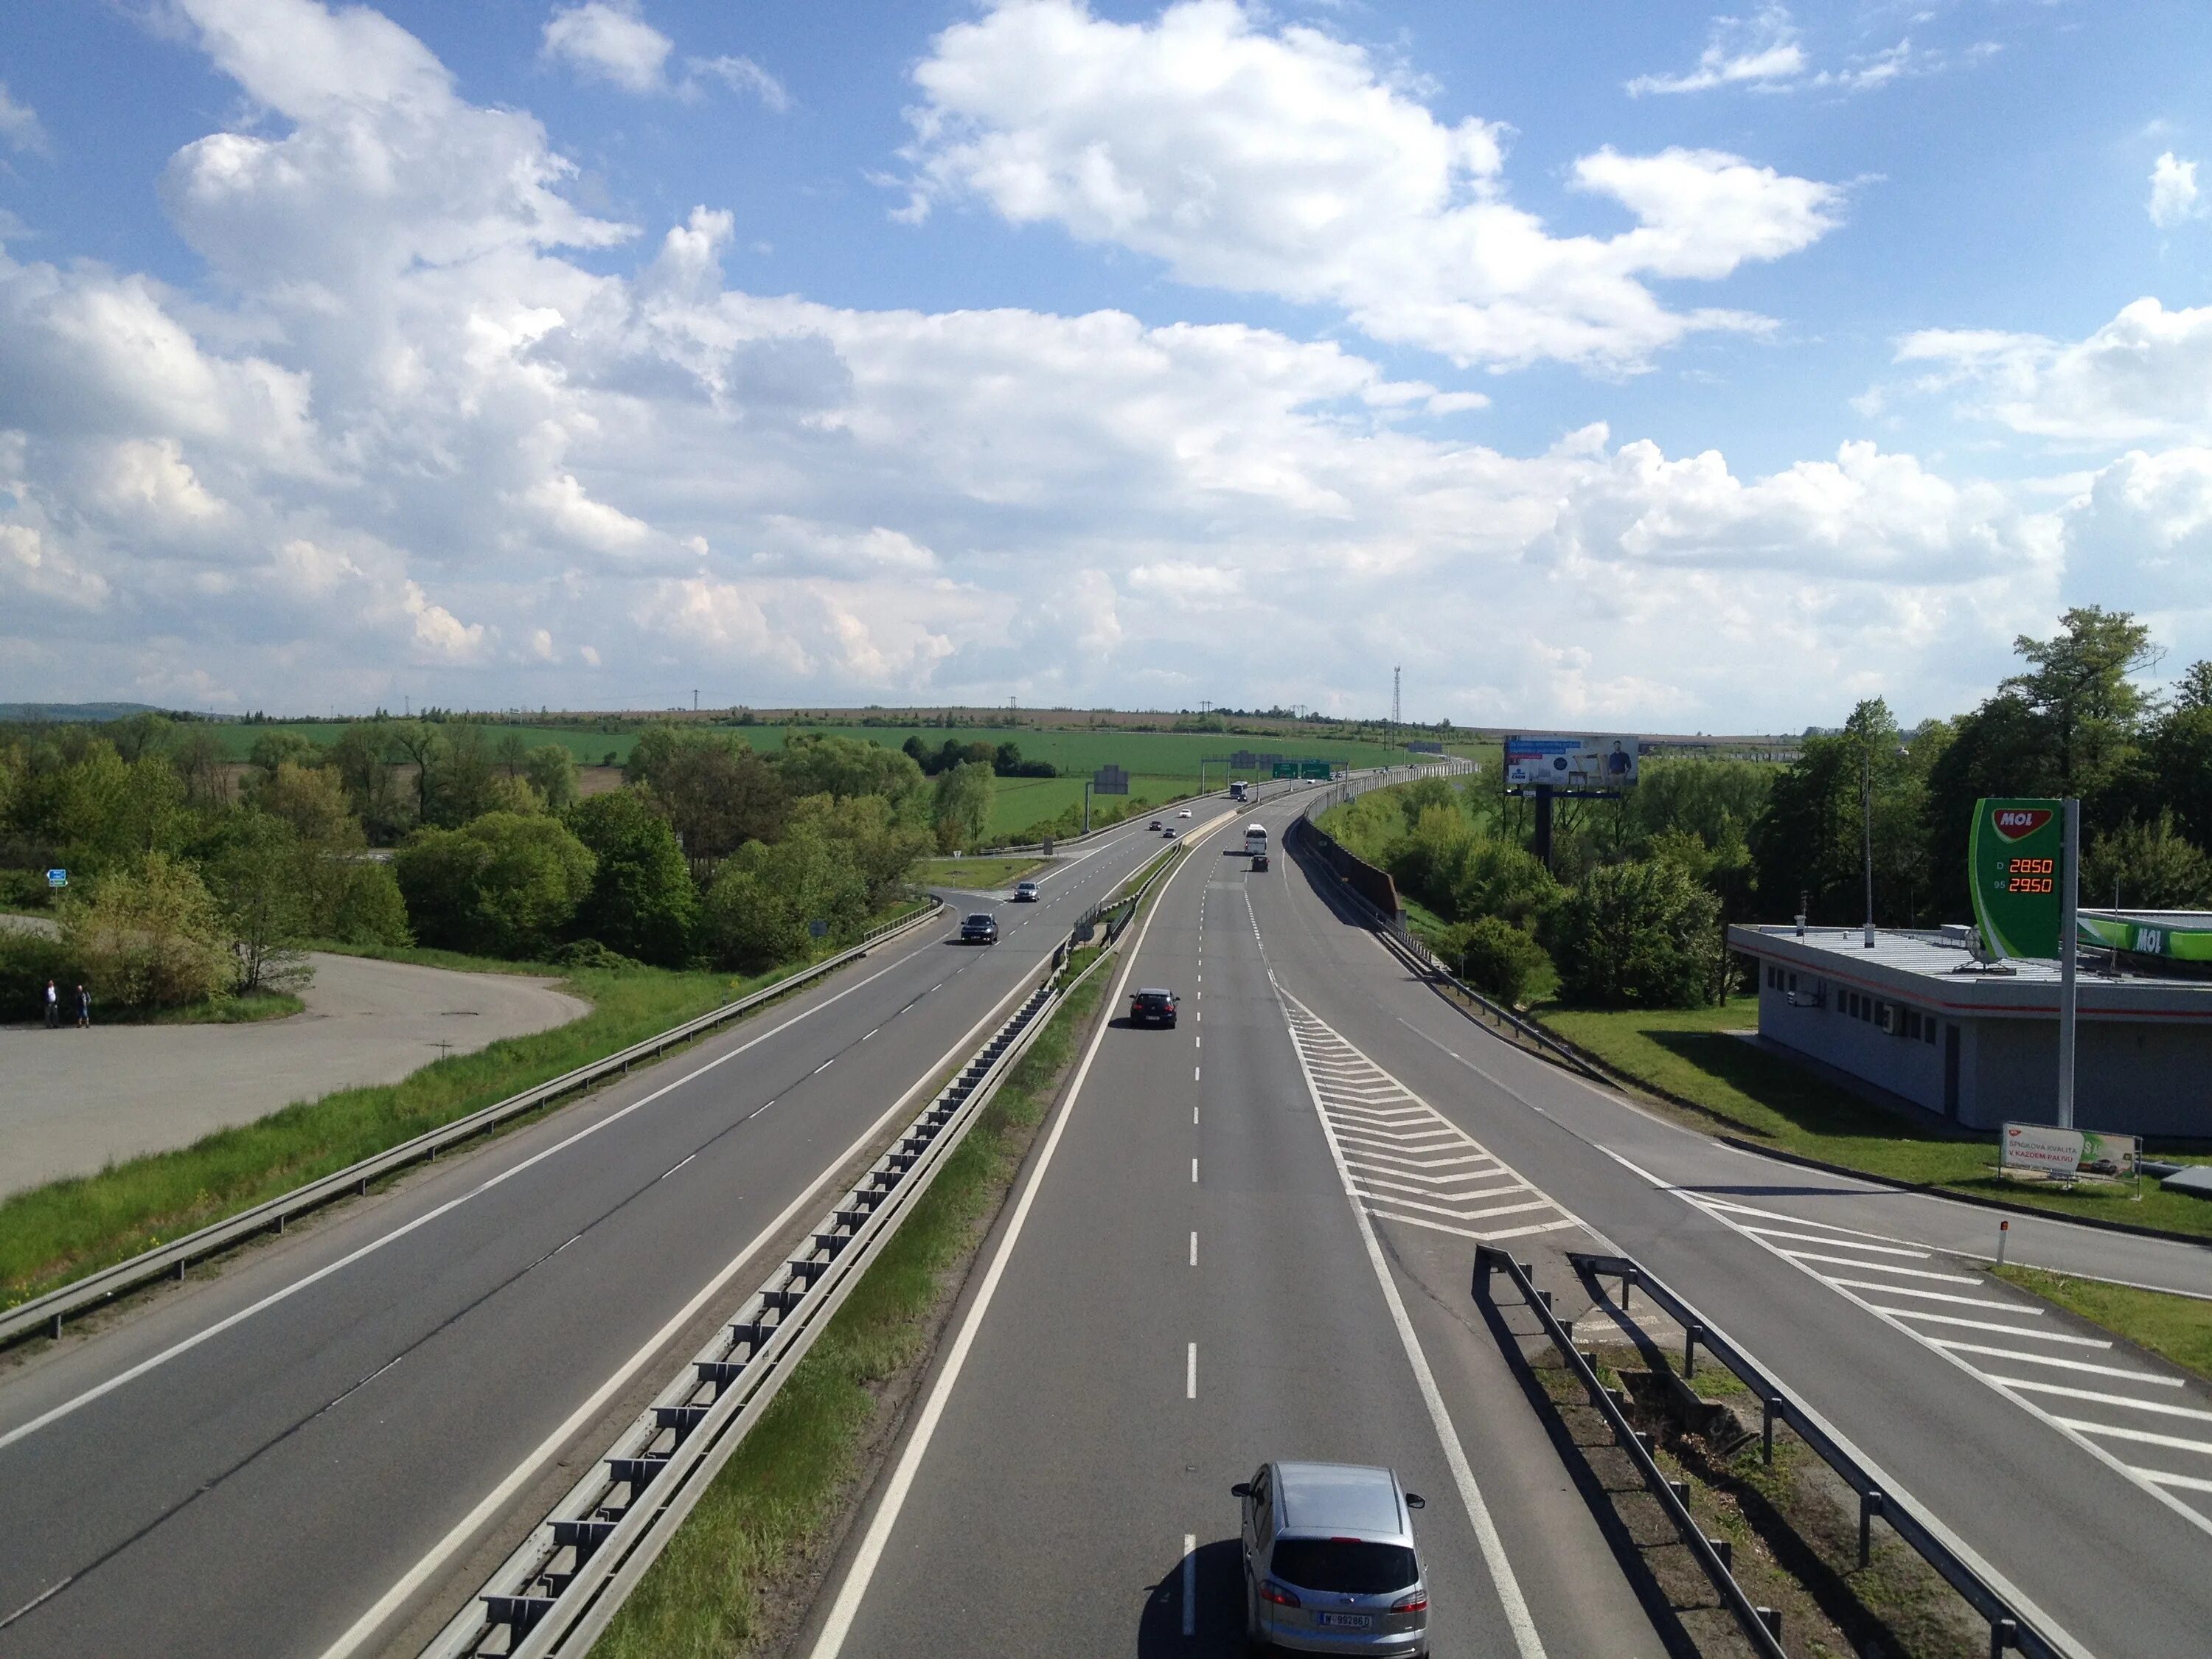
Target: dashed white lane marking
1406, 1161
1194, 1249
1190, 1373
2121, 1400
1194, 1172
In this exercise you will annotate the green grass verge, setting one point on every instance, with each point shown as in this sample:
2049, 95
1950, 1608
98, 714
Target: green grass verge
1763, 1097
248, 1009
791, 1476
980, 874
52, 1234
2178, 1328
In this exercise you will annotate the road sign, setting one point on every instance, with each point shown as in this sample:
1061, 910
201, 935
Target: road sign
1109, 780
56, 878
2017, 854
1283, 768
1244, 760
817, 928
1315, 768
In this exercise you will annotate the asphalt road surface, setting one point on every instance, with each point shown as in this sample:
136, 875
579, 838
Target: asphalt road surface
1179, 1291
77, 1100
323, 1447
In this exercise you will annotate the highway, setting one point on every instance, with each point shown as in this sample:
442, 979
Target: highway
323, 1446
1182, 1287
1178, 1292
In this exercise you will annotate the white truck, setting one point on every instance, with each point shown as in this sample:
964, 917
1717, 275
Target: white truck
1255, 845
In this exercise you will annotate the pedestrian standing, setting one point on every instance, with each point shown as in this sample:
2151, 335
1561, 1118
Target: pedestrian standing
54, 1006
84, 1009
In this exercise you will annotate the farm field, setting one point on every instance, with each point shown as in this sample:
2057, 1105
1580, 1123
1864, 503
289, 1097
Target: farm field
1147, 756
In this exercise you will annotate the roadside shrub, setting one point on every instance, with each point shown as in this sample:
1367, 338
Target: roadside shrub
1637, 935
504, 884
764, 897
358, 902
1499, 959
150, 937
27, 961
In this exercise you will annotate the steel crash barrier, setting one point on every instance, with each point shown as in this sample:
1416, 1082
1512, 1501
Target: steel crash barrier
2012, 1629
562, 1586
50, 1311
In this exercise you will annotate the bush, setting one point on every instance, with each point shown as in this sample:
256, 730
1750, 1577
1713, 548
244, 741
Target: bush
27, 961
641, 903
1641, 935
150, 937
503, 885
358, 902
1498, 959
764, 897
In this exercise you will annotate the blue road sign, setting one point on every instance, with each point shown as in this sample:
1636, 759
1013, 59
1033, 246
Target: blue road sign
56, 878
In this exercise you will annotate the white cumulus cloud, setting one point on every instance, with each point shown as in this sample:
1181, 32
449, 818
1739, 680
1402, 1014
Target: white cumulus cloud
1283, 161
2173, 193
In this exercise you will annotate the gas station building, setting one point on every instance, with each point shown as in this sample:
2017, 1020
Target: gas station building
1919, 1016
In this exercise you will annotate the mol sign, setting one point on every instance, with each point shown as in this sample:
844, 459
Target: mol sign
2016, 855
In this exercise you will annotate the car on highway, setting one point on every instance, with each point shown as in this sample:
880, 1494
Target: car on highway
1025, 892
1154, 1005
1154, 824
981, 928
1330, 1564
1184, 813
1168, 834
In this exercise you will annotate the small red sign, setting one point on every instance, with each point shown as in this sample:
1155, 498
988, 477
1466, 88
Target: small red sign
2014, 822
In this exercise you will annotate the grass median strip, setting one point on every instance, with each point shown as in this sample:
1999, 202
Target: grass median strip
977, 875
58, 1232
1762, 1097
720, 1583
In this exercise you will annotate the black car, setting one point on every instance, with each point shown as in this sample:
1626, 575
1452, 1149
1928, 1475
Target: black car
1153, 1005
982, 928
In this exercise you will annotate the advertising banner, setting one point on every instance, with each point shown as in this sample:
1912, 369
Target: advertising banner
2147, 939
2016, 859
2043, 1147
2109, 1155
1584, 762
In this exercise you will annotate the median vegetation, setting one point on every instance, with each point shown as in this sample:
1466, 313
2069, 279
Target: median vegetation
733, 1576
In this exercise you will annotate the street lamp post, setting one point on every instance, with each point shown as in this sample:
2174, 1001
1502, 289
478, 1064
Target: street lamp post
1866, 807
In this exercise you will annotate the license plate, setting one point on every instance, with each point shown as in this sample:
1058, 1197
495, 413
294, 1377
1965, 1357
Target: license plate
1344, 1620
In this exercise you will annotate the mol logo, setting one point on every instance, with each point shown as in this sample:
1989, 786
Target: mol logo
2014, 822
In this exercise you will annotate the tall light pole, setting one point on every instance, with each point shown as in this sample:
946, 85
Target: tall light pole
1866, 806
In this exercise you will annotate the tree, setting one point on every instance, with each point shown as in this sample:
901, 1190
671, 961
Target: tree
712, 787
311, 799
259, 880
2147, 867
1637, 935
422, 745
962, 812
197, 758
504, 884
2079, 684
825, 764
641, 901
2193, 690
361, 758
870, 836
1499, 879
1496, 959
150, 937
551, 771
764, 897
274, 749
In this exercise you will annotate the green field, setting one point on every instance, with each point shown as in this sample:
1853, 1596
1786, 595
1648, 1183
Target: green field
1150, 754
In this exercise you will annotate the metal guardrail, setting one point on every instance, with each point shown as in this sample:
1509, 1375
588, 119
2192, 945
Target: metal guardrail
1762, 1626
561, 1587
170, 1259
2011, 1629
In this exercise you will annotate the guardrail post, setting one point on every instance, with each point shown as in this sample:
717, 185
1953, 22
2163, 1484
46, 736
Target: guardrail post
2003, 1634
1773, 1409
1726, 1550
1869, 1507
1772, 1618
1681, 1490
1690, 1336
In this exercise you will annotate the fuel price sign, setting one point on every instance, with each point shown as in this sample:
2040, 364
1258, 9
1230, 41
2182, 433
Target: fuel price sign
2017, 854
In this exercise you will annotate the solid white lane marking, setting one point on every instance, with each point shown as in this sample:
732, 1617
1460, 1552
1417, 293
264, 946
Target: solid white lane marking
2095, 1397
154, 1361
839, 1624
2185, 1482
1923, 1296
1880, 1268
1190, 1373
1992, 1325
2144, 1437
498, 1498
2018, 1358
1190, 1583
1510, 1601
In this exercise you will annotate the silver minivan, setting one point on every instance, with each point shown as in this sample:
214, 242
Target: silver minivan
1330, 1564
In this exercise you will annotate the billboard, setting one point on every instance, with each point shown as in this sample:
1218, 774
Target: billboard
2017, 854
1606, 762
1109, 780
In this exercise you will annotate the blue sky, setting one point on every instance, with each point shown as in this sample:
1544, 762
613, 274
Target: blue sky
1608, 363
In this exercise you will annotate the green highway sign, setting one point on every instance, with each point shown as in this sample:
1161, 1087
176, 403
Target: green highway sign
1315, 768
1284, 768
2017, 857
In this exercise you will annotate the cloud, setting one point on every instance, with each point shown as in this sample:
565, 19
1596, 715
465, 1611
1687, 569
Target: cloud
446, 434
2173, 194
1760, 52
609, 40
1283, 161
2145, 374
20, 127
